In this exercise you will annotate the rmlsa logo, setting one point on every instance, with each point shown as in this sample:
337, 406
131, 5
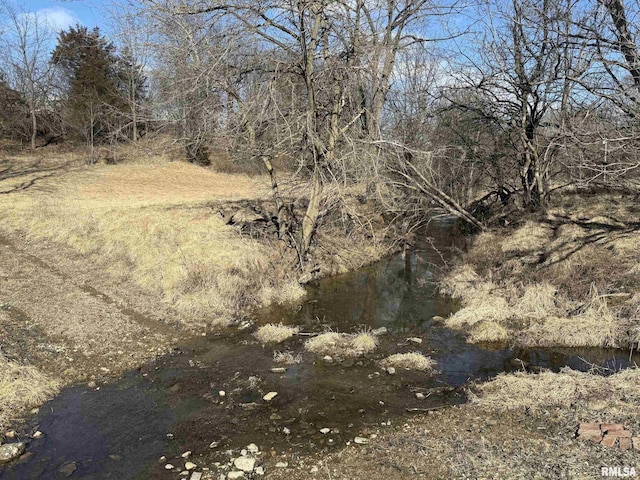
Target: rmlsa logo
618, 472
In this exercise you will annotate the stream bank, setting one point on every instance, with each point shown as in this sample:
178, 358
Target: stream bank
207, 395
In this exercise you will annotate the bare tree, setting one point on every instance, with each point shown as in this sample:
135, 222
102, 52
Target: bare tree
25, 55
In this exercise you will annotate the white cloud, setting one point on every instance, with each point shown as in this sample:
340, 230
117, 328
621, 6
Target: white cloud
57, 18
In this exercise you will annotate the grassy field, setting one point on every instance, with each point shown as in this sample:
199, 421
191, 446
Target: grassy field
154, 225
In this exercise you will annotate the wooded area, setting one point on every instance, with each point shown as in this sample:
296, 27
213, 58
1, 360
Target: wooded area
428, 103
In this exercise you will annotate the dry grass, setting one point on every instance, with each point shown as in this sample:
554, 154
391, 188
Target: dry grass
597, 326
488, 331
528, 292
286, 358
541, 300
483, 305
146, 224
564, 389
530, 237
365, 342
461, 282
272, 333
21, 387
342, 344
409, 361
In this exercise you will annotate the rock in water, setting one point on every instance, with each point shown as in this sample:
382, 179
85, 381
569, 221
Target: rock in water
379, 331
270, 396
235, 475
361, 440
11, 451
190, 466
68, 469
245, 464
416, 340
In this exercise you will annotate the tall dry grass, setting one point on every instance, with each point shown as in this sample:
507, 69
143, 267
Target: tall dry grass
549, 282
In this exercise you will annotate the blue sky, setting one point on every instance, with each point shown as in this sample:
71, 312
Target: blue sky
62, 14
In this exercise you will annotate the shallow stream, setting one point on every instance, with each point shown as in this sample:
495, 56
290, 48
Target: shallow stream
119, 430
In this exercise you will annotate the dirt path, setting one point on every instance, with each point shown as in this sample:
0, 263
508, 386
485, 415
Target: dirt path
69, 328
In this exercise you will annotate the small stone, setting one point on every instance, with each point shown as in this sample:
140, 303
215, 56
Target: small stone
10, 434
253, 448
379, 331
168, 466
282, 465
286, 431
68, 469
190, 466
186, 454
243, 452
437, 318
235, 475
314, 469
278, 370
361, 440
11, 451
416, 340
270, 396
275, 416
327, 358
245, 464
324, 431
163, 458
391, 371
420, 396
184, 473
38, 435
214, 444
222, 393
196, 476
259, 470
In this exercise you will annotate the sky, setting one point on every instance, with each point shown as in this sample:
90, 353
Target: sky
62, 14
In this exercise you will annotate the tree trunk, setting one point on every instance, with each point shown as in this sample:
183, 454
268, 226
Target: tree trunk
311, 215
34, 126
